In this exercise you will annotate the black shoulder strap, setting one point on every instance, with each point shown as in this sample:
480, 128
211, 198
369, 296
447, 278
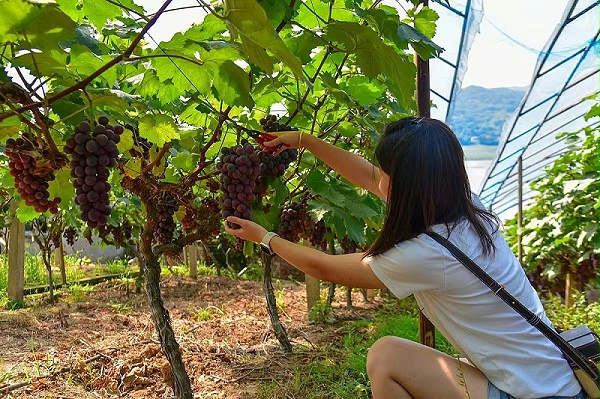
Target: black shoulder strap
531, 318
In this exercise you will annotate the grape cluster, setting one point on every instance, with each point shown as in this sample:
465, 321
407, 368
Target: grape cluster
273, 166
202, 217
317, 238
70, 234
348, 246
92, 153
166, 204
295, 222
117, 235
239, 169
31, 181
270, 124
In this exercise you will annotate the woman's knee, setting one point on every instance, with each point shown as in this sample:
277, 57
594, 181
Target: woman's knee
384, 349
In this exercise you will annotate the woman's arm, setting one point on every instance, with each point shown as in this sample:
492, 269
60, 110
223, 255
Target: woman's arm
353, 167
349, 270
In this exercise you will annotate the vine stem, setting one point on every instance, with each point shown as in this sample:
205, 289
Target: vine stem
80, 85
160, 155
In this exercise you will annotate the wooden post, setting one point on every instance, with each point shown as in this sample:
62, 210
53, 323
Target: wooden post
520, 210
59, 261
16, 256
193, 259
568, 290
313, 291
423, 96
370, 295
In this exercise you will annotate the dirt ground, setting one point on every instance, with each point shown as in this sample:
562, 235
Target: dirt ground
104, 344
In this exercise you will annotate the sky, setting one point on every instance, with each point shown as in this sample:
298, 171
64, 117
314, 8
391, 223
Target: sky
512, 33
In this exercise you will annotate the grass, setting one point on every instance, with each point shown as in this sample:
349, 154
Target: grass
339, 370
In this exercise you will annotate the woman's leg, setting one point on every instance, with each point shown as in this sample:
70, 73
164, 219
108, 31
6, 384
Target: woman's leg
402, 369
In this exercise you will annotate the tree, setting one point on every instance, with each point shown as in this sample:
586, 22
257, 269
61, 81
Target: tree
339, 69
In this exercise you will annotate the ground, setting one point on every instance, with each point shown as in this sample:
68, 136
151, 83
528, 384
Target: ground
102, 344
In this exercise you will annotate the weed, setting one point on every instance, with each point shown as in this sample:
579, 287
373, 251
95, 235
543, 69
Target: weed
121, 307
207, 313
78, 292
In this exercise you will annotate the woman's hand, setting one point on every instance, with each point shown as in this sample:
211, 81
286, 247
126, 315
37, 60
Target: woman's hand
248, 230
291, 139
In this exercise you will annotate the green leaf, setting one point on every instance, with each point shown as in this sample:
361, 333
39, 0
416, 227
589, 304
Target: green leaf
355, 229
281, 191
362, 90
125, 141
9, 127
83, 62
374, 57
247, 19
26, 213
317, 184
233, 85
422, 44
61, 186
593, 112
48, 63
65, 108
42, 27
184, 161
303, 45
158, 129
425, 21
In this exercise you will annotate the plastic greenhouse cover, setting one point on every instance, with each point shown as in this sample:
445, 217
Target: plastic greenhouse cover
458, 23
566, 73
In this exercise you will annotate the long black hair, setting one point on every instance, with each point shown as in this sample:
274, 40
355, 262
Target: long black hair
428, 184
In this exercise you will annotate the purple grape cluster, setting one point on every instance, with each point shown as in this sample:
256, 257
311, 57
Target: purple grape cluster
239, 167
317, 238
273, 166
295, 222
92, 154
166, 204
31, 181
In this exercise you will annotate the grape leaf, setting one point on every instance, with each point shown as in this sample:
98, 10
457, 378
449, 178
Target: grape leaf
376, 57
9, 127
158, 129
249, 20
61, 186
233, 85
26, 213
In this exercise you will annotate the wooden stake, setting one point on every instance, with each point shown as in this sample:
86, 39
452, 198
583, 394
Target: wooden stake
193, 260
59, 261
16, 256
313, 290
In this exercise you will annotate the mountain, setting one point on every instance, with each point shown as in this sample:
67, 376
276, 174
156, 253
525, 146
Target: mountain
479, 113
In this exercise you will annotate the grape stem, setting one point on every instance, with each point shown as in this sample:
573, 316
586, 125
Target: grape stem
160, 155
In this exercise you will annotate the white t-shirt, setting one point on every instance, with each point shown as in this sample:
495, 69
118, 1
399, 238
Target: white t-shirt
513, 355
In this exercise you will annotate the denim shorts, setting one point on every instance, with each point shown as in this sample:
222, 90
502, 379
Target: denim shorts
495, 393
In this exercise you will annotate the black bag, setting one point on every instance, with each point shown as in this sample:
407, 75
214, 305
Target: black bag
579, 345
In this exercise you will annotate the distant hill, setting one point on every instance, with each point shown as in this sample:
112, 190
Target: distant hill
479, 113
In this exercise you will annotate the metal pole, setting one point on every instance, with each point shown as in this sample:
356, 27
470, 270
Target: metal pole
520, 209
426, 328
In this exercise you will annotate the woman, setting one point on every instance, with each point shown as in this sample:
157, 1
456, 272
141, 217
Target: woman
422, 178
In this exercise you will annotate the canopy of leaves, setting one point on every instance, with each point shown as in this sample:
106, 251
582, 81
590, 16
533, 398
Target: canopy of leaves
336, 69
562, 221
